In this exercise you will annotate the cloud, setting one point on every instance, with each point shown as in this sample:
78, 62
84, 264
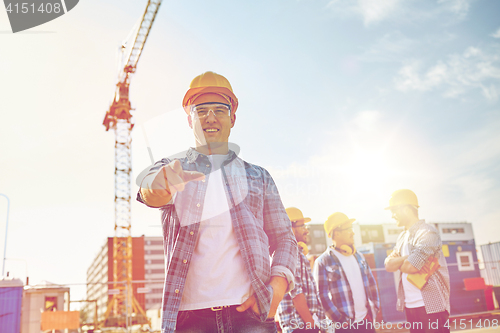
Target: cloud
458, 7
496, 34
372, 11
459, 73
391, 47
375, 11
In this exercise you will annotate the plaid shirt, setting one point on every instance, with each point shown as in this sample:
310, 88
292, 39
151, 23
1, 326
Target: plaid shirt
259, 220
335, 291
424, 241
304, 284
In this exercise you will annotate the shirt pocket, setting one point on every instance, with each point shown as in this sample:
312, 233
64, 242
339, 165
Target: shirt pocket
333, 273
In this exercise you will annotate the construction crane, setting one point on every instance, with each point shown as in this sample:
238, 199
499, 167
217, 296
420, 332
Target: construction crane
123, 308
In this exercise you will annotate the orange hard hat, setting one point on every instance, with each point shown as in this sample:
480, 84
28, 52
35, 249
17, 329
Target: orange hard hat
210, 87
334, 221
403, 197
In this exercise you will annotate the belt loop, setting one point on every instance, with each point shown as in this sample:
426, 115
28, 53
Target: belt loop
218, 308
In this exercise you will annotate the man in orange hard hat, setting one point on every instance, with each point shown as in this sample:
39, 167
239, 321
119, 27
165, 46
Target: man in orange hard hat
347, 288
424, 287
222, 218
301, 311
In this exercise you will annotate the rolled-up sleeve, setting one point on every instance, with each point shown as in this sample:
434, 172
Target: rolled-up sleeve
277, 225
298, 279
427, 244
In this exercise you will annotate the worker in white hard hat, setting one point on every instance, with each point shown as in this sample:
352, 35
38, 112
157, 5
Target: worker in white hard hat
301, 311
347, 288
223, 221
424, 286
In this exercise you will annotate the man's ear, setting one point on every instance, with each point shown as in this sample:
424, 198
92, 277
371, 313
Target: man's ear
407, 211
233, 119
190, 121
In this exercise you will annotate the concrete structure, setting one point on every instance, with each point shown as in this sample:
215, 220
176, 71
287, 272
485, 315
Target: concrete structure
148, 275
37, 299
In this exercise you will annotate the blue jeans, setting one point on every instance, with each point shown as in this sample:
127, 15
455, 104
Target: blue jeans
227, 320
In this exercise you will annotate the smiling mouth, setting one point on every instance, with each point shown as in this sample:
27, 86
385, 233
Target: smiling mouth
211, 130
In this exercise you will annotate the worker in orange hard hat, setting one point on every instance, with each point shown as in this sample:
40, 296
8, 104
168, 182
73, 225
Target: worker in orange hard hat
209, 87
301, 308
222, 217
211, 94
347, 288
424, 287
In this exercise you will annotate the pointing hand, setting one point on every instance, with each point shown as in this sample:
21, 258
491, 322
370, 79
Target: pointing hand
173, 178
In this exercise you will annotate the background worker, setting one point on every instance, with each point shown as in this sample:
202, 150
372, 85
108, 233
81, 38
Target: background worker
222, 219
416, 248
301, 309
346, 285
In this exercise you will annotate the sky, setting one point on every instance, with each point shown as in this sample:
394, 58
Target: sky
342, 101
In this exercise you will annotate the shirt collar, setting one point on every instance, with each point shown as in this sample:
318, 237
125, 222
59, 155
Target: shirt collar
192, 155
416, 226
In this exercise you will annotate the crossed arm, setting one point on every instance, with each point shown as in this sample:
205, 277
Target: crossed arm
426, 245
396, 262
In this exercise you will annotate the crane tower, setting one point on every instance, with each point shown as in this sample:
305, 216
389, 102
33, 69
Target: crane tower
123, 307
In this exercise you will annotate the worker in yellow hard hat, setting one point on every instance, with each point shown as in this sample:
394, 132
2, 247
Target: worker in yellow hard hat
222, 218
301, 307
347, 288
424, 287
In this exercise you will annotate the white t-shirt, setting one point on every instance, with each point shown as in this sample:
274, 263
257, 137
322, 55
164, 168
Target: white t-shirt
353, 273
217, 275
413, 295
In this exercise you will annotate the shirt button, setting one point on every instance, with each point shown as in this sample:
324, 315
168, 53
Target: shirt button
191, 233
197, 205
176, 291
185, 261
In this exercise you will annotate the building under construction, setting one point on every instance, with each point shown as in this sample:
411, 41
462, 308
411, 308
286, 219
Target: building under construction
148, 275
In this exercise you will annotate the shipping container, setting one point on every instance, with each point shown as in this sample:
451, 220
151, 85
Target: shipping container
462, 263
11, 297
491, 257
